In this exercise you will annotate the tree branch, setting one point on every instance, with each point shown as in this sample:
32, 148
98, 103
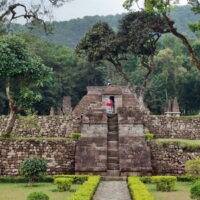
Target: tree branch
194, 58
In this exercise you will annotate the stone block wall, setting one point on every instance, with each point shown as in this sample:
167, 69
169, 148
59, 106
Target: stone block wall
91, 154
59, 154
41, 126
134, 154
173, 127
170, 159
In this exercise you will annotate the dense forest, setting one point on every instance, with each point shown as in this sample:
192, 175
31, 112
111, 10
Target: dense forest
70, 32
173, 76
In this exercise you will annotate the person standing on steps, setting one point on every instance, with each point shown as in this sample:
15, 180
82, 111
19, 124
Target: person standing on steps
109, 106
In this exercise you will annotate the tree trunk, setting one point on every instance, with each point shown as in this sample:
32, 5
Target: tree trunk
13, 111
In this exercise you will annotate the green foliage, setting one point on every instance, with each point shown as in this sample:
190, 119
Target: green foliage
149, 136
188, 145
138, 190
63, 184
146, 179
186, 178
20, 179
192, 167
37, 196
77, 179
75, 136
195, 191
19, 65
33, 168
87, 190
165, 183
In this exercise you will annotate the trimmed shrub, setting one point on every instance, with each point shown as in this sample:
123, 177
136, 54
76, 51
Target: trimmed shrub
63, 184
33, 168
138, 190
164, 183
146, 179
186, 178
77, 179
195, 191
37, 196
20, 179
192, 167
87, 190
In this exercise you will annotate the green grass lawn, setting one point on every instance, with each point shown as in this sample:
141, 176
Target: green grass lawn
182, 192
19, 191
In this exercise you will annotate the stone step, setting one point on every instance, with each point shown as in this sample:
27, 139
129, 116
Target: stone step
112, 166
114, 177
113, 160
112, 153
112, 173
112, 144
113, 128
112, 136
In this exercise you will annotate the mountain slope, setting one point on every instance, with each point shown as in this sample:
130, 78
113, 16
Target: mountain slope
70, 32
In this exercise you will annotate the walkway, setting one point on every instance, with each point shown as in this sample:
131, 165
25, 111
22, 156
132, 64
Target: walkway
112, 190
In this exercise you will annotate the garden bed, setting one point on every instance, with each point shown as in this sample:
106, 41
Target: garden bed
182, 192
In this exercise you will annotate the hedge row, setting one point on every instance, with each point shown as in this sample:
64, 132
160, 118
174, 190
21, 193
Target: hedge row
138, 190
20, 179
87, 189
77, 179
182, 178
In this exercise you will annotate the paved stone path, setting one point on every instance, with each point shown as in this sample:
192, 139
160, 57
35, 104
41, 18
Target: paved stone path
112, 190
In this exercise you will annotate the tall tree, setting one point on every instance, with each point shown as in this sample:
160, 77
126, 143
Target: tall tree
138, 35
163, 8
23, 75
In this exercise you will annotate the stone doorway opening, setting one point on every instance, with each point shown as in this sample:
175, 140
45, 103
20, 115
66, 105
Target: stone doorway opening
112, 98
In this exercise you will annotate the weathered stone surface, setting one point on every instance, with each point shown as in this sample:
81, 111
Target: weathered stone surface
134, 154
170, 159
91, 154
41, 126
59, 155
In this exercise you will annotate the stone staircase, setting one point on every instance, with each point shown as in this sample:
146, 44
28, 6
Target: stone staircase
113, 146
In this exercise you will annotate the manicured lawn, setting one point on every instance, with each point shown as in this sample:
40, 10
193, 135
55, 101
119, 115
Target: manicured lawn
20, 191
182, 192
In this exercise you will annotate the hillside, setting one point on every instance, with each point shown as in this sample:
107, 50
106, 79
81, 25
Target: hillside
70, 32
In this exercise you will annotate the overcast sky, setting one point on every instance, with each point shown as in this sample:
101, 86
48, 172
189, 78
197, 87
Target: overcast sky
81, 8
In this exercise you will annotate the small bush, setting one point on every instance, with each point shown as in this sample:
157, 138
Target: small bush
37, 196
195, 191
138, 190
33, 168
75, 136
165, 183
149, 136
186, 178
145, 179
192, 167
63, 184
77, 179
87, 190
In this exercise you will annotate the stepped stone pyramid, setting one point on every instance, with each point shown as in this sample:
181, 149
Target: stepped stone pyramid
111, 144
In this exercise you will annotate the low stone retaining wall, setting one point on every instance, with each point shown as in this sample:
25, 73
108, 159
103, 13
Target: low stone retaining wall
40, 126
173, 127
170, 159
59, 154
